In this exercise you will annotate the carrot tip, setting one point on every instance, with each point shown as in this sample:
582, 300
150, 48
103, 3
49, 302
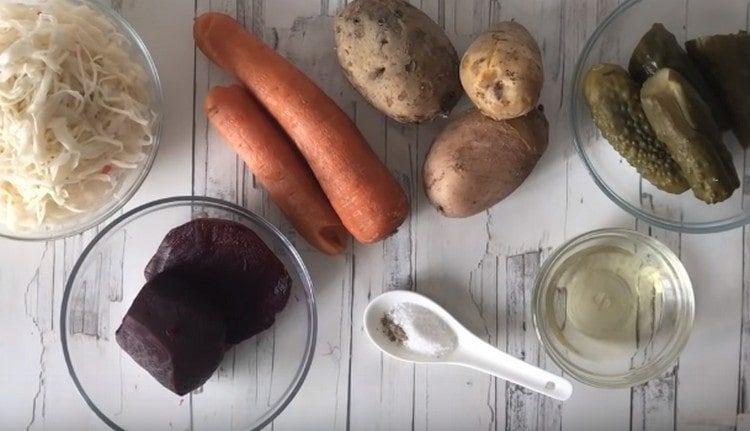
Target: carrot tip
334, 237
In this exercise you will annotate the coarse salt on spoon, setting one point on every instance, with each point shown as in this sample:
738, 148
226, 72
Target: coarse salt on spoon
413, 328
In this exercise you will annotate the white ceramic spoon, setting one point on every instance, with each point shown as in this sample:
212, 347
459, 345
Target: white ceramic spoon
470, 352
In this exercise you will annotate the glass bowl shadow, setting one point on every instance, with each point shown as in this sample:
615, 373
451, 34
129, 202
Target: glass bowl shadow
613, 41
257, 378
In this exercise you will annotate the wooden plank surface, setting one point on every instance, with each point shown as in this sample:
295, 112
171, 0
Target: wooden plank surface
480, 268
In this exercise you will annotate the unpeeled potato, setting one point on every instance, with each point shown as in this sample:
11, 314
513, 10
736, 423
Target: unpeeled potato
475, 162
502, 71
398, 58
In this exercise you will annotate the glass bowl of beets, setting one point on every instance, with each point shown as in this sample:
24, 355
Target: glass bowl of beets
188, 312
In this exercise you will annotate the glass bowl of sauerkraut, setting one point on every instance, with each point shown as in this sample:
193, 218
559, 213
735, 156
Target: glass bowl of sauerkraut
80, 116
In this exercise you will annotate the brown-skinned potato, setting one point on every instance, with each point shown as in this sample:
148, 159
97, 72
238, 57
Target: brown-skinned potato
399, 59
476, 162
502, 71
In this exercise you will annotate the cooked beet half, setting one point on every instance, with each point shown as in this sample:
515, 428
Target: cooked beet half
174, 333
242, 275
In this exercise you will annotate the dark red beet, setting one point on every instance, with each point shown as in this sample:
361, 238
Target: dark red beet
174, 333
246, 279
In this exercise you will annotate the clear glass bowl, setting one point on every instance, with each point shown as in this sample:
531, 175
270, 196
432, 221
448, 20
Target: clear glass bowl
613, 42
130, 183
257, 379
648, 333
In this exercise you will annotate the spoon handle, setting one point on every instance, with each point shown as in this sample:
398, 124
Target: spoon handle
481, 356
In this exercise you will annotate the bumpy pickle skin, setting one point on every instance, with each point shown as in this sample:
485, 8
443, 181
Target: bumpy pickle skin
659, 49
725, 61
683, 121
614, 100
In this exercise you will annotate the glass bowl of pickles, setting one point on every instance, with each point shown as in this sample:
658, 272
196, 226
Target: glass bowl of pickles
613, 308
660, 112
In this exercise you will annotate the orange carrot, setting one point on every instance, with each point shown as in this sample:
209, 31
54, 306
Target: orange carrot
367, 198
282, 171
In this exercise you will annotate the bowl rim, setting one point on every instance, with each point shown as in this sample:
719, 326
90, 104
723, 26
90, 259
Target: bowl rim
140, 49
307, 286
677, 342
654, 220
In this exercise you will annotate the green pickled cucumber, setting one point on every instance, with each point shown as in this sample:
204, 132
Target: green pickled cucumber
659, 49
683, 121
614, 100
725, 60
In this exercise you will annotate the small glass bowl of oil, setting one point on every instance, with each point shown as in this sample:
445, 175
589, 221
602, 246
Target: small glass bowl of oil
613, 307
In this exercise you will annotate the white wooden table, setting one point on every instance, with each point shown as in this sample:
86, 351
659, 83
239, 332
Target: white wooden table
480, 268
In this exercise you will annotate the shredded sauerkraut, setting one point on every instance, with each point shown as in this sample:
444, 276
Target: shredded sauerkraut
74, 113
